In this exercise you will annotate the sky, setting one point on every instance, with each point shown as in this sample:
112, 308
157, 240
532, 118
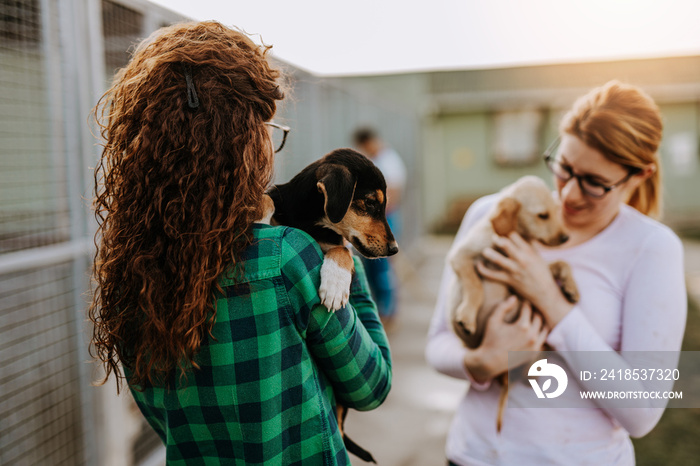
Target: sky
330, 37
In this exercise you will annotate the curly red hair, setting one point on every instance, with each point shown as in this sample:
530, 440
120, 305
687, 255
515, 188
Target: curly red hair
177, 190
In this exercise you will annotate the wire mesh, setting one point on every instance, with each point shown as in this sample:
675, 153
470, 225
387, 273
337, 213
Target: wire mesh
122, 28
33, 199
39, 378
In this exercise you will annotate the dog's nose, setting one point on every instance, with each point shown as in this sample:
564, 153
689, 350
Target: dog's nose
393, 249
563, 238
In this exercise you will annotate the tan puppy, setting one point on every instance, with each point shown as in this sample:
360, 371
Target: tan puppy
528, 208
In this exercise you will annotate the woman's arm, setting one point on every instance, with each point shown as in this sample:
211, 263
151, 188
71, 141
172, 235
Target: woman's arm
653, 318
352, 347
348, 345
366, 309
653, 321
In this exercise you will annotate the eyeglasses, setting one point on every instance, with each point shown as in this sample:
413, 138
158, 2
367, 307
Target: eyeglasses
279, 135
588, 185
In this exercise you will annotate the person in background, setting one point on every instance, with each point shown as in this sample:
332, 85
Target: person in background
380, 272
214, 318
629, 271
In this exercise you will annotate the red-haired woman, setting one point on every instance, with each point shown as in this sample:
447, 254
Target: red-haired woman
216, 319
632, 311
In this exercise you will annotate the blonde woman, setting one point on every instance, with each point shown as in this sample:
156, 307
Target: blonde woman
629, 270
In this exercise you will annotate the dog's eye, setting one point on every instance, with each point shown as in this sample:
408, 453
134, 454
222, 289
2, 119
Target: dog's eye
544, 216
360, 205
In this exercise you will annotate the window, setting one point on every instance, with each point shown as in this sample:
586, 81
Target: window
516, 137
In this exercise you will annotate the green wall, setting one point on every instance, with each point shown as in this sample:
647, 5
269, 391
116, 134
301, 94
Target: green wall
680, 161
456, 109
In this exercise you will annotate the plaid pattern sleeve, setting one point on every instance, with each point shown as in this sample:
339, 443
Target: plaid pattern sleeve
270, 372
349, 345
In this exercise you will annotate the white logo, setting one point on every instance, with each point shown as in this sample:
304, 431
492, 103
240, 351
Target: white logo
542, 368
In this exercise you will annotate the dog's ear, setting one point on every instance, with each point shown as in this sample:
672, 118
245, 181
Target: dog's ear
505, 220
338, 187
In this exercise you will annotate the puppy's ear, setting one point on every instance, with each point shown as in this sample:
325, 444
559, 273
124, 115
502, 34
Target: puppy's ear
338, 187
505, 220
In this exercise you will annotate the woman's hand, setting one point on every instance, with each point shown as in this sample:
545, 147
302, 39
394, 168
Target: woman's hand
528, 274
527, 333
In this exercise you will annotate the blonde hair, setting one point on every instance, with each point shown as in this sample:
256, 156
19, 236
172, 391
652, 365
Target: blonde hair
624, 124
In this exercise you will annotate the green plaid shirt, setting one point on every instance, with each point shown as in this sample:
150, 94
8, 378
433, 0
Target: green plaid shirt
269, 378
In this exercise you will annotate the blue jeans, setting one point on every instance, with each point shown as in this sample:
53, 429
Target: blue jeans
382, 282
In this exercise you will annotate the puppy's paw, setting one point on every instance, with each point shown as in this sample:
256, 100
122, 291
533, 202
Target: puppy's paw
570, 292
561, 271
335, 285
454, 301
465, 320
460, 331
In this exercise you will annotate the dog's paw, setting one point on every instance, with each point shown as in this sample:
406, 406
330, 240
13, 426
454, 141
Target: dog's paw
570, 293
335, 285
561, 271
460, 331
464, 319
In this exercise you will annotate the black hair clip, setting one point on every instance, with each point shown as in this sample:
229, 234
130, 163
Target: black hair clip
192, 99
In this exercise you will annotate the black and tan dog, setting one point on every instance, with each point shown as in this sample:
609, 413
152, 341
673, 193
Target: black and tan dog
341, 197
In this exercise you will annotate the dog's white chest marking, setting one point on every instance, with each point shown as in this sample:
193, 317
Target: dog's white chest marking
335, 284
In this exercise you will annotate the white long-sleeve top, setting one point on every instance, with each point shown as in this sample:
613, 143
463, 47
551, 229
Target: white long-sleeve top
632, 286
